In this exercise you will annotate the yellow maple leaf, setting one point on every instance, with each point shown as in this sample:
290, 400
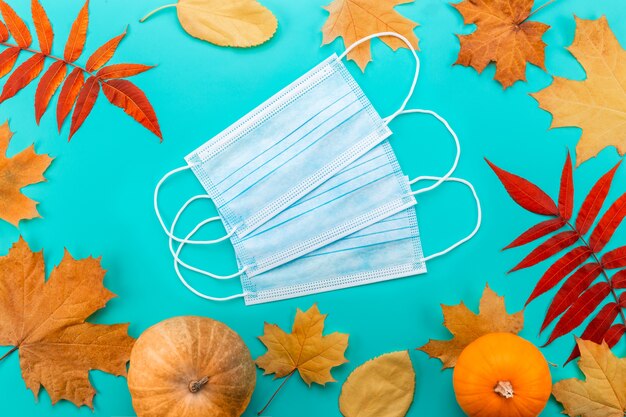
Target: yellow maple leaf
596, 104
305, 349
45, 321
603, 393
23, 169
504, 36
355, 19
466, 326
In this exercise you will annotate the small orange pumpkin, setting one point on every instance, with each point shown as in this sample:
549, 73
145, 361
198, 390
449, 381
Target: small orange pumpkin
190, 367
502, 375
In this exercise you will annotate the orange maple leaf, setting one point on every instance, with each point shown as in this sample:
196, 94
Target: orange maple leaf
355, 19
23, 169
503, 36
45, 321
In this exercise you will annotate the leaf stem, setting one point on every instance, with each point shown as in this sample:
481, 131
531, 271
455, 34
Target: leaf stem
156, 11
276, 392
606, 276
539, 8
33, 51
9, 352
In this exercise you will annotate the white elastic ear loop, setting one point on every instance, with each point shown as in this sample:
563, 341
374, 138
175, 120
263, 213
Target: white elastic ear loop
417, 65
185, 283
479, 216
456, 158
169, 233
175, 254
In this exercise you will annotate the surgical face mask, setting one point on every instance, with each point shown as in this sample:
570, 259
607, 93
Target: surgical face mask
261, 171
386, 250
287, 146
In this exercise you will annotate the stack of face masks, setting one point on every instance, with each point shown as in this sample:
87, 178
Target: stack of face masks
310, 191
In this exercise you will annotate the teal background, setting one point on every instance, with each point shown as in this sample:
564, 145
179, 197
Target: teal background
98, 197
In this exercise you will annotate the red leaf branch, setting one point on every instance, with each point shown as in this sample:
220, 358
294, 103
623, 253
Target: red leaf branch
580, 295
76, 93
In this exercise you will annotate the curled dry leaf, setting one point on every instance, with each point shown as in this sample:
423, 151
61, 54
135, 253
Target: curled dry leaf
596, 104
190, 367
603, 393
46, 322
381, 387
504, 36
356, 19
17, 172
237, 23
305, 349
466, 326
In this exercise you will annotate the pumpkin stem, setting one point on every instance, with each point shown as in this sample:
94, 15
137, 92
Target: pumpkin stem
504, 389
195, 386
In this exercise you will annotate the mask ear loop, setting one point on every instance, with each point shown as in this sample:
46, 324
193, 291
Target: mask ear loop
456, 158
182, 279
389, 118
198, 197
479, 215
176, 253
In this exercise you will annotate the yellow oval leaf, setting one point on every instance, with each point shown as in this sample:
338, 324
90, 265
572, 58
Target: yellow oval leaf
381, 387
239, 23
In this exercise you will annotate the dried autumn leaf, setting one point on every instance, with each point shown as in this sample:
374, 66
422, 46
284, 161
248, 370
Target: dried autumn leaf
17, 172
42, 27
603, 393
305, 349
103, 54
78, 35
49, 84
504, 36
580, 295
466, 326
72, 95
355, 19
16, 26
45, 321
381, 387
133, 101
238, 23
596, 104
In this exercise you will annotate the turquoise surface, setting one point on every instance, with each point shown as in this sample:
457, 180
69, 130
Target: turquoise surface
98, 197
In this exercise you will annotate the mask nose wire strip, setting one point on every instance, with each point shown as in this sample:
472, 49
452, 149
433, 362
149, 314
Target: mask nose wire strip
417, 65
176, 253
182, 279
479, 215
170, 233
456, 158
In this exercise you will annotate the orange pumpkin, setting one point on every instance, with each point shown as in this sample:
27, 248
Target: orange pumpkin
190, 367
502, 375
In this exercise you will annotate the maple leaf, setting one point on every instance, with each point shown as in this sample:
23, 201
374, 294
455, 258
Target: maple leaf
355, 19
305, 349
596, 104
580, 295
466, 326
23, 169
76, 92
603, 393
504, 36
45, 321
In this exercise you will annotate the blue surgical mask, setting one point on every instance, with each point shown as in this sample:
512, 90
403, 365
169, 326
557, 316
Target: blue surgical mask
389, 249
287, 146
